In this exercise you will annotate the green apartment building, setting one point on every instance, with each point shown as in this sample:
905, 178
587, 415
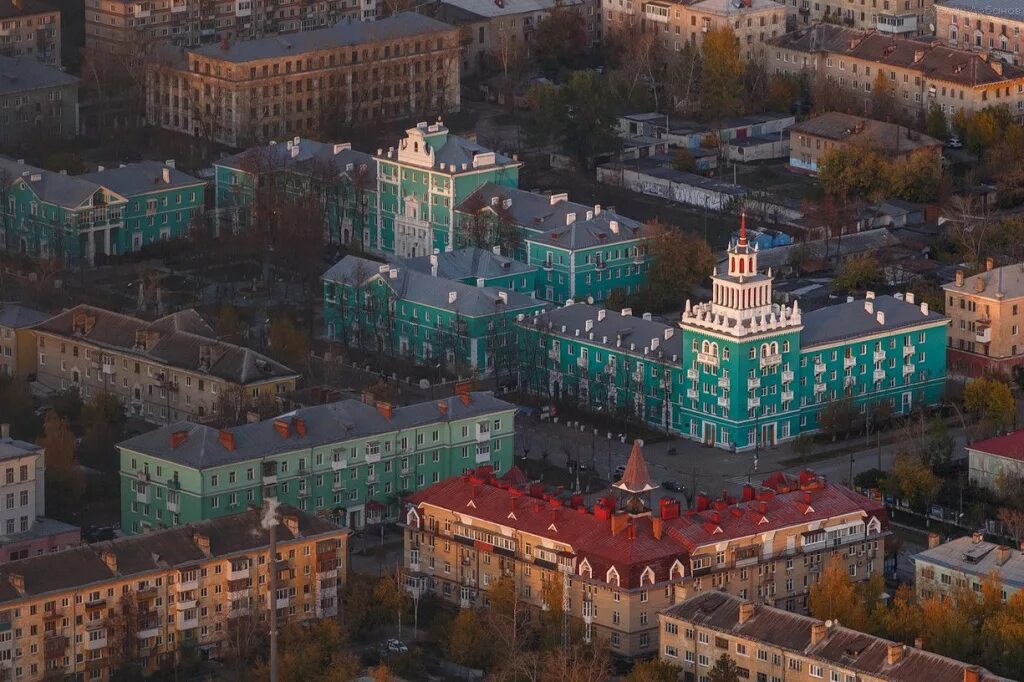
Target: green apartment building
83, 218
344, 180
422, 181
401, 311
740, 371
349, 459
583, 252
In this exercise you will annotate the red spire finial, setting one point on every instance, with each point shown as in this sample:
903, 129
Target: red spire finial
743, 228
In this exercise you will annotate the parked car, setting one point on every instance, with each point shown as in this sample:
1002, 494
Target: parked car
955, 143
397, 646
620, 471
673, 486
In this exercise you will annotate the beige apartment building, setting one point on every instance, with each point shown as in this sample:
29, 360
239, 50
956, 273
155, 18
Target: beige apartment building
238, 93
812, 139
985, 314
85, 612
620, 563
965, 563
771, 644
30, 28
164, 371
128, 25
922, 73
17, 341
499, 33
753, 21
992, 26
907, 18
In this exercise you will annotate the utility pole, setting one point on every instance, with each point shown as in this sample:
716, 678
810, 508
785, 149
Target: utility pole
270, 522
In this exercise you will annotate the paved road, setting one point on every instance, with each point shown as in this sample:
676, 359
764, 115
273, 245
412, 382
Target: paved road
695, 466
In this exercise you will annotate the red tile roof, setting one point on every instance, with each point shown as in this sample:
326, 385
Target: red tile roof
631, 543
1011, 445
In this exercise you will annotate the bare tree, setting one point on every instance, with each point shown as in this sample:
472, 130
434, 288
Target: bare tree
970, 225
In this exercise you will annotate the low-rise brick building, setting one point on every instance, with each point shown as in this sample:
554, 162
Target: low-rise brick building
30, 28
767, 643
966, 563
621, 562
17, 342
984, 310
164, 371
920, 73
83, 613
992, 26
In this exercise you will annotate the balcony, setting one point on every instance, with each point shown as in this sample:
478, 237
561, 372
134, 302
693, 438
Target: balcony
819, 368
553, 354
878, 356
692, 394
184, 622
787, 376
754, 382
693, 373
908, 369
337, 464
269, 479
142, 496
849, 381
97, 643
149, 632
983, 334
238, 573
723, 402
707, 359
878, 375
179, 6
372, 457
173, 507
282, 603
723, 382
787, 396
753, 403
819, 388
771, 360
581, 362
187, 584
908, 350
849, 362
185, 604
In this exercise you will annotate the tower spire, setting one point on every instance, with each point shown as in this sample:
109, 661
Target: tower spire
743, 229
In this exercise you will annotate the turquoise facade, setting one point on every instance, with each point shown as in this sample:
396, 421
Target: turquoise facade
348, 459
343, 180
106, 213
740, 372
401, 312
422, 181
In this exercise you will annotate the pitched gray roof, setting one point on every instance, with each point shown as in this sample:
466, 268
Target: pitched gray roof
452, 151
141, 177
181, 335
550, 216
11, 448
17, 316
490, 8
1002, 282
846, 648
850, 244
611, 329
978, 559
312, 156
23, 74
417, 287
467, 263
849, 320
68, 191
161, 549
324, 424
341, 34
890, 137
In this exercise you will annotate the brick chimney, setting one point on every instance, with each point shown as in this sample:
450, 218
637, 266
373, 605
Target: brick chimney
894, 653
619, 522
291, 522
989, 263
977, 537
110, 559
5, 431
933, 540
959, 278
1002, 555
385, 409
202, 542
746, 612
971, 674
819, 631
657, 526
17, 581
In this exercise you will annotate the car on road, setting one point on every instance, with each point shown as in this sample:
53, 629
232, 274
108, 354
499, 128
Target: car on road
955, 143
620, 471
396, 646
673, 486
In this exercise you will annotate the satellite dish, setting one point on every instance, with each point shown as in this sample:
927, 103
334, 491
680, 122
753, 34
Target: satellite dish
931, 27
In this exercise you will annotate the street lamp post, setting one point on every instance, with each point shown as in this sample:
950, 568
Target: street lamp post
270, 522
